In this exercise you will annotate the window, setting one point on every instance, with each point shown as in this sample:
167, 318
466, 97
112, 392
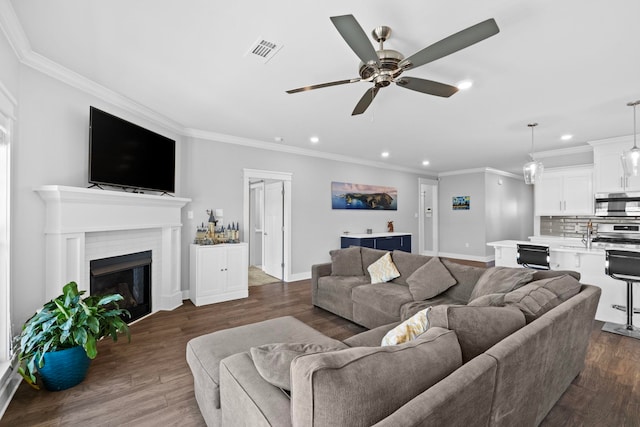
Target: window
5, 315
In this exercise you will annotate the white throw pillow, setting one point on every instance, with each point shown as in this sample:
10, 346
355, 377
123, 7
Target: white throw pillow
406, 331
383, 269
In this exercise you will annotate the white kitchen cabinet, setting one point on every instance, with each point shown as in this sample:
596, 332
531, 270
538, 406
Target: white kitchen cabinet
218, 273
565, 191
608, 172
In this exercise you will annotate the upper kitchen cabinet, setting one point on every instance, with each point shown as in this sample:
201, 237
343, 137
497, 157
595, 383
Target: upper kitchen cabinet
565, 191
609, 176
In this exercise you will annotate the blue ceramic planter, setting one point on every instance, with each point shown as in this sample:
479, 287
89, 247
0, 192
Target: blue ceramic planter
64, 369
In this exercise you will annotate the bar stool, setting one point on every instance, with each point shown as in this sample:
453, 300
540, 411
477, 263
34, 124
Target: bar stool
533, 256
625, 266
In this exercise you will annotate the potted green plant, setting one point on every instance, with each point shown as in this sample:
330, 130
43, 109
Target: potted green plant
60, 340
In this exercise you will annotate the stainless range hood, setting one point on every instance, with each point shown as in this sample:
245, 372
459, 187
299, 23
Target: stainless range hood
617, 204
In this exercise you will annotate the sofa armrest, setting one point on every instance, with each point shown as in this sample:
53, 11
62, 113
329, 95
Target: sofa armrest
318, 271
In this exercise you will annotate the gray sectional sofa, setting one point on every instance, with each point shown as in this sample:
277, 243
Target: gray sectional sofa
500, 352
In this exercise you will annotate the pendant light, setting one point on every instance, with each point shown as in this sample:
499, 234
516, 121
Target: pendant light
532, 170
631, 158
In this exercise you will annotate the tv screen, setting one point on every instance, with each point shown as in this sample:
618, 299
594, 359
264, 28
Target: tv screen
126, 155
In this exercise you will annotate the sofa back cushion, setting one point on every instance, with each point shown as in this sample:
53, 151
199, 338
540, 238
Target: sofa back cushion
477, 328
346, 262
467, 276
430, 280
537, 298
362, 385
501, 280
407, 263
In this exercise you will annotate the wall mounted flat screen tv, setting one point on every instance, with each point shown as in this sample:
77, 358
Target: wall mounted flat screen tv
123, 154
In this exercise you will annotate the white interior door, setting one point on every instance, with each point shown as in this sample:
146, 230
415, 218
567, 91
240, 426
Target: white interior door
272, 253
428, 217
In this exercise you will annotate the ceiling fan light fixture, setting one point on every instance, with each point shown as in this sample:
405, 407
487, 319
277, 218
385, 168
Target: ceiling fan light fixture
532, 170
631, 158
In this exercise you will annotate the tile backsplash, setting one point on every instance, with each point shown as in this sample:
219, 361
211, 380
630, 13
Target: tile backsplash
576, 226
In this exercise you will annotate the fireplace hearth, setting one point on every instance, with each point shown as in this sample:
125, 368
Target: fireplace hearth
128, 275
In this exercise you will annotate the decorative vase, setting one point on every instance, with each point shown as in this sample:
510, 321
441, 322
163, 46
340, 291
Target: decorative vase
64, 369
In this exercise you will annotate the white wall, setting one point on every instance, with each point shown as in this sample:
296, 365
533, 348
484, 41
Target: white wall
462, 232
214, 179
501, 208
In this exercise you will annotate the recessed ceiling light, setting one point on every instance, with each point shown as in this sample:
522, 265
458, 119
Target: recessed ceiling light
314, 139
385, 154
566, 137
278, 139
425, 163
465, 84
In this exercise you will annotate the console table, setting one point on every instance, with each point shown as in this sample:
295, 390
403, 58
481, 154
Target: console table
385, 241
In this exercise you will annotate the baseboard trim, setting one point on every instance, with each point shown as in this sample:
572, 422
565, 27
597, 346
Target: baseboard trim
299, 276
9, 382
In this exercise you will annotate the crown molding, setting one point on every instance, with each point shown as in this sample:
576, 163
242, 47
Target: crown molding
481, 170
623, 138
253, 143
13, 30
563, 151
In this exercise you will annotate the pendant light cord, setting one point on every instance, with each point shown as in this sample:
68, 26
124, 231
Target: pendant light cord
634, 104
532, 125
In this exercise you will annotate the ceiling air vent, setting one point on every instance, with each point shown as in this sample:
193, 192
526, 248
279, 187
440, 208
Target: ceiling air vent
263, 50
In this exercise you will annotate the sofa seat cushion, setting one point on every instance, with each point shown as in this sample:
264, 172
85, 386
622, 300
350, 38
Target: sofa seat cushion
274, 360
477, 328
361, 386
334, 293
205, 352
385, 297
246, 399
407, 264
501, 280
346, 262
430, 280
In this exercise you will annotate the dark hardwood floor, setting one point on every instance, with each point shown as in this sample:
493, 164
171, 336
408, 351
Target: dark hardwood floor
148, 383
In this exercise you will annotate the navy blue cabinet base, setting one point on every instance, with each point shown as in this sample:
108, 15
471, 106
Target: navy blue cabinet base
385, 241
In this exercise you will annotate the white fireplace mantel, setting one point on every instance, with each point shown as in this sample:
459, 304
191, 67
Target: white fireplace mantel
73, 212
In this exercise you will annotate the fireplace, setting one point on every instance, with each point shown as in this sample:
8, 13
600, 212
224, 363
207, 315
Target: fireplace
127, 275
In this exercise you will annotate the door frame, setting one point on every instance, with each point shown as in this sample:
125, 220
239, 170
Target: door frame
434, 213
286, 178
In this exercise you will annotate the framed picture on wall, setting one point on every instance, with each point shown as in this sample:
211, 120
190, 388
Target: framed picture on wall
362, 196
461, 203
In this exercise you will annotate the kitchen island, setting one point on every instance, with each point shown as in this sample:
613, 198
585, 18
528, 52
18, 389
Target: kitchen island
571, 254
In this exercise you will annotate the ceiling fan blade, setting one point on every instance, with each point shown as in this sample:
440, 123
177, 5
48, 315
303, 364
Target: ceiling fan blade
321, 85
365, 101
356, 38
451, 44
427, 86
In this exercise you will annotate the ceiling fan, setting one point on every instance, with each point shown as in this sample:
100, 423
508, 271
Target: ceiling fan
384, 66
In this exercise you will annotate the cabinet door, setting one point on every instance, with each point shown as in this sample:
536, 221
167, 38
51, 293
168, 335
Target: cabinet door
211, 268
548, 195
389, 243
608, 169
578, 194
237, 268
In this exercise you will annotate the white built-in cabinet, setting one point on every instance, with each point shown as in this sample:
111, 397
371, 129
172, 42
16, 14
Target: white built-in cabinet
609, 175
218, 273
565, 191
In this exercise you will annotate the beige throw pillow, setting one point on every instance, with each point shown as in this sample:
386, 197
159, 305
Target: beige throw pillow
430, 280
383, 270
406, 331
